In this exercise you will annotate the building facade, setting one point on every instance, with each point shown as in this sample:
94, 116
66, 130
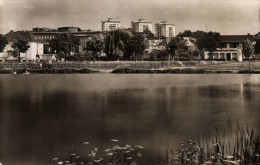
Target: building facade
141, 25
164, 30
83, 35
69, 29
157, 44
110, 25
36, 47
230, 47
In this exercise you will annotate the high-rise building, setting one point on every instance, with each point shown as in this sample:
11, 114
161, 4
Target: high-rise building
110, 24
164, 30
141, 25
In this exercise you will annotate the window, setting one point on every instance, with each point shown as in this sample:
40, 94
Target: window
223, 45
233, 45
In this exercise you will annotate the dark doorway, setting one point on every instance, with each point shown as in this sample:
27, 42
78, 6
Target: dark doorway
228, 56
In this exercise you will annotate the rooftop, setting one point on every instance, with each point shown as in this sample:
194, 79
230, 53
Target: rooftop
236, 38
165, 23
111, 20
141, 22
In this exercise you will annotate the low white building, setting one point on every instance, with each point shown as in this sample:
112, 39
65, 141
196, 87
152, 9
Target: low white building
230, 47
35, 51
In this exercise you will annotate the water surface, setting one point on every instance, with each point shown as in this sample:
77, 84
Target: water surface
47, 116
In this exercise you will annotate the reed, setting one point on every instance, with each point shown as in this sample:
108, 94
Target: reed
232, 146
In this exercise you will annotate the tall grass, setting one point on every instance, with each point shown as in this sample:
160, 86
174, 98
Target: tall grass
229, 146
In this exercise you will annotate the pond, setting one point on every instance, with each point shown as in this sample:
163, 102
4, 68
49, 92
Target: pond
47, 116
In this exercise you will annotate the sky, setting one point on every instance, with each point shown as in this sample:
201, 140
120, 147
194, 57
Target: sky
224, 16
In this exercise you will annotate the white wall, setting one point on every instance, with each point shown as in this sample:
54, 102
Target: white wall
31, 52
35, 48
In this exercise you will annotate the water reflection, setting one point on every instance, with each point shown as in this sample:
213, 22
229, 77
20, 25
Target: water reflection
51, 113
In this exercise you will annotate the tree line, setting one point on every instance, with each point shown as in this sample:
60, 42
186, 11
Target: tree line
130, 45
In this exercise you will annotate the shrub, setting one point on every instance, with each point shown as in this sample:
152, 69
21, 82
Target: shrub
73, 58
5, 71
249, 71
85, 70
20, 71
124, 70
173, 71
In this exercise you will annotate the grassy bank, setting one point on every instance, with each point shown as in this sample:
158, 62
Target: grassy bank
173, 67
170, 71
48, 71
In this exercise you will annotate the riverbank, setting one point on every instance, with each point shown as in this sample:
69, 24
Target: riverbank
184, 71
48, 71
173, 67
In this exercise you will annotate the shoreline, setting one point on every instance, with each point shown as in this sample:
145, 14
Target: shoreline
133, 67
129, 71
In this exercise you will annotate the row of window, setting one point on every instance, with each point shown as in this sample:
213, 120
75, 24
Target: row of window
231, 45
45, 37
112, 25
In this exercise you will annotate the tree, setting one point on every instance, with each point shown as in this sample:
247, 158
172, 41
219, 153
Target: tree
248, 50
65, 43
148, 34
207, 41
96, 46
136, 44
176, 44
187, 33
257, 46
115, 43
211, 42
20, 46
3, 42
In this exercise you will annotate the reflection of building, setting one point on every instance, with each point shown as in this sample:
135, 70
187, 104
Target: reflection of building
228, 48
164, 30
110, 24
141, 25
36, 47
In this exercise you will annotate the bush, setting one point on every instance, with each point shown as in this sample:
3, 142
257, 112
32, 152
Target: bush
20, 71
124, 70
85, 70
46, 70
173, 71
158, 55
249, 71
73, 58
5, 71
